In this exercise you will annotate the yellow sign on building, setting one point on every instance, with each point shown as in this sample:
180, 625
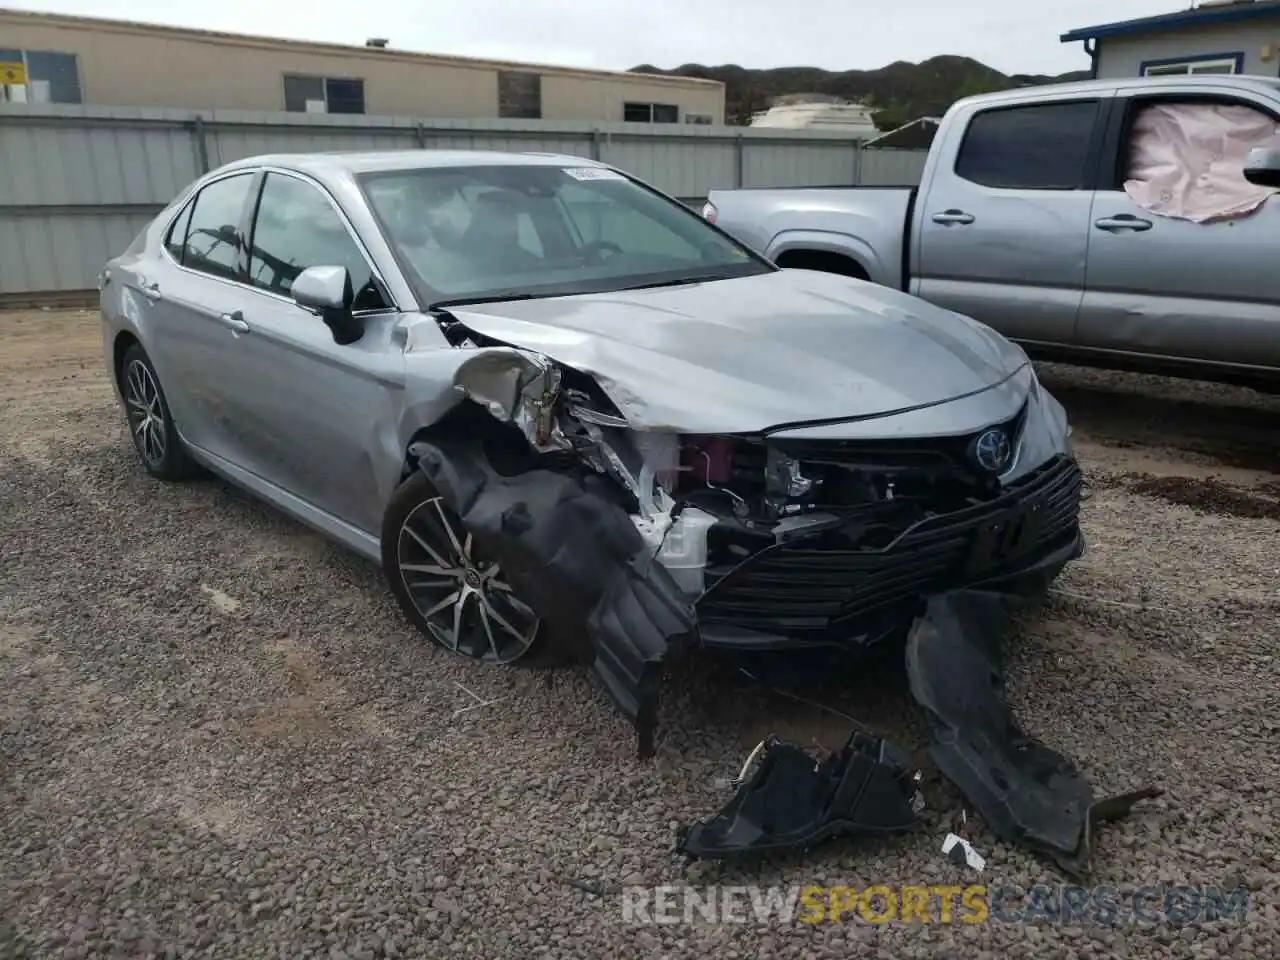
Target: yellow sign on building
12, 74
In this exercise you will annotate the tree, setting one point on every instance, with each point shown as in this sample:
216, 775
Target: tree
891, 116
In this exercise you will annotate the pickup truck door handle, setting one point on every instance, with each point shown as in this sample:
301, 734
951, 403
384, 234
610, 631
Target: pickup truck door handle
235, 321
953, 216
1122, 221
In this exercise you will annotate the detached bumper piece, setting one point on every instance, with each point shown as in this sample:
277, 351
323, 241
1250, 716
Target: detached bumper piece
1028, 793
794, 802
574, 556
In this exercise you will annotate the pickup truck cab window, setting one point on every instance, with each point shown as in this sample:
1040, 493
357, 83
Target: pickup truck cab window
1042, 146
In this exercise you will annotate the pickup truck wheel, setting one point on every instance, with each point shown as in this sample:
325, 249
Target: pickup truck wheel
448, 589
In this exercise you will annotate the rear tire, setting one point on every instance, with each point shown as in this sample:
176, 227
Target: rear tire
155, 439
446, 588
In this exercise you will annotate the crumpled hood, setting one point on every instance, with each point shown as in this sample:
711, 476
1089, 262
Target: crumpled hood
748, 354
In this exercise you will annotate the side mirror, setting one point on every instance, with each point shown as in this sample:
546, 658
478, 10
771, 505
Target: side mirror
1263, 167
327, 291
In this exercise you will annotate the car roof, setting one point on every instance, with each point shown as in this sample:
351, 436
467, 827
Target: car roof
342, 165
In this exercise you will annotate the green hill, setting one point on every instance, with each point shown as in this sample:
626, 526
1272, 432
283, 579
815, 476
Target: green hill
902, 91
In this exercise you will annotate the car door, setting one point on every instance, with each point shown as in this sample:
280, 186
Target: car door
1003, 230
192, 291
1168, 287
307, 415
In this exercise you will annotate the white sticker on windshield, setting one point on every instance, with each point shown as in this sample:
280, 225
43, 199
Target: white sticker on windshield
594, 173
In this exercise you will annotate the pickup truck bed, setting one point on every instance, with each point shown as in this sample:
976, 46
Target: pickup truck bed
858, 231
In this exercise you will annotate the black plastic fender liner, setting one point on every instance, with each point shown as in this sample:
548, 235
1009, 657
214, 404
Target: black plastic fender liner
1027, 792
575, 557
793, 801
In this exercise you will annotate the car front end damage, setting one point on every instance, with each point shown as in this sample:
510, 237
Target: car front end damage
775, 539
645, 540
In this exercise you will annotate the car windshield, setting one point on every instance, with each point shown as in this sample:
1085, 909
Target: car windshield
506, 231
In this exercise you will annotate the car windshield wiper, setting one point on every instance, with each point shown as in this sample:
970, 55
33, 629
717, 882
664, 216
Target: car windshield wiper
684, 282
503, 298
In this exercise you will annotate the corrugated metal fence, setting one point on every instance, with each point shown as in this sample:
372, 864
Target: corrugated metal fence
77, 184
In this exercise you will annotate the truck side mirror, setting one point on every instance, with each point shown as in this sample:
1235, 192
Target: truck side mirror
1263, 167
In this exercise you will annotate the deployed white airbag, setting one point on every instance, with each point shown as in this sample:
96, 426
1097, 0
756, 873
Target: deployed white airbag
1187, 160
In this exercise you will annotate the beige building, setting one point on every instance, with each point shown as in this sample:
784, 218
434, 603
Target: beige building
1214, 36
59, 59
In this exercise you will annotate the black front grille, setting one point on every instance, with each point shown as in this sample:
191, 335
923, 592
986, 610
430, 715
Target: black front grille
812, 585
934, 454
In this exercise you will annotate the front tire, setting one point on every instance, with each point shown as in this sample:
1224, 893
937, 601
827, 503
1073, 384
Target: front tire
155, 438
448, 589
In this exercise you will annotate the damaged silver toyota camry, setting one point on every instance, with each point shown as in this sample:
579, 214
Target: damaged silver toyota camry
573, 420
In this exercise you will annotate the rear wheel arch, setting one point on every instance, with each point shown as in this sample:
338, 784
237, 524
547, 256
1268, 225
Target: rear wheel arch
119, 347
825, 261
159, 445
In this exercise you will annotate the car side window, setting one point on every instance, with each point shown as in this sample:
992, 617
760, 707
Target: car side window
1185, 158
1042, 146
214, 241
296, 227
177, 236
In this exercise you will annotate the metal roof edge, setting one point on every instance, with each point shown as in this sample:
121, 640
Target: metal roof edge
1195, 17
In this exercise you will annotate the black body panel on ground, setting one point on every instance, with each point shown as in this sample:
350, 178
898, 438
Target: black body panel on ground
791, 802
1028, 793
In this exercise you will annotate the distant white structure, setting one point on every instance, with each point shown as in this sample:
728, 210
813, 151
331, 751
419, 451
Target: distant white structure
851, 118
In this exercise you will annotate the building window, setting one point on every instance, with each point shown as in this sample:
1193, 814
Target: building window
37, 76
1218, 63
1041, 146
650, 113
303, 94
519, 95
702, 119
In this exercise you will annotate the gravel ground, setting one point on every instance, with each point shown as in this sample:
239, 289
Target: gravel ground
218, 737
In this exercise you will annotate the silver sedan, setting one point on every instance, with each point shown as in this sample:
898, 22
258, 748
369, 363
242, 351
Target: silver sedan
573, 420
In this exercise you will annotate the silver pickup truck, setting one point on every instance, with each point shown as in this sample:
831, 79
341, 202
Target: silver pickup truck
1022, 220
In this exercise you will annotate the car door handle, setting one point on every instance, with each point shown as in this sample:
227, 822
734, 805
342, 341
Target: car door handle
953, 216
1122, 221
235, 321
150, 290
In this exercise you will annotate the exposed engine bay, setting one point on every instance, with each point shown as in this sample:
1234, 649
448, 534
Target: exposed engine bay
786, 541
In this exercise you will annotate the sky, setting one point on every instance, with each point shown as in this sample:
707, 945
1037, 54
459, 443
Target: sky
1014, 36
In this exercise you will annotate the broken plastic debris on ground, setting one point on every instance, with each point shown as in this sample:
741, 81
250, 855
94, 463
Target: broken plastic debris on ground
1028, 793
